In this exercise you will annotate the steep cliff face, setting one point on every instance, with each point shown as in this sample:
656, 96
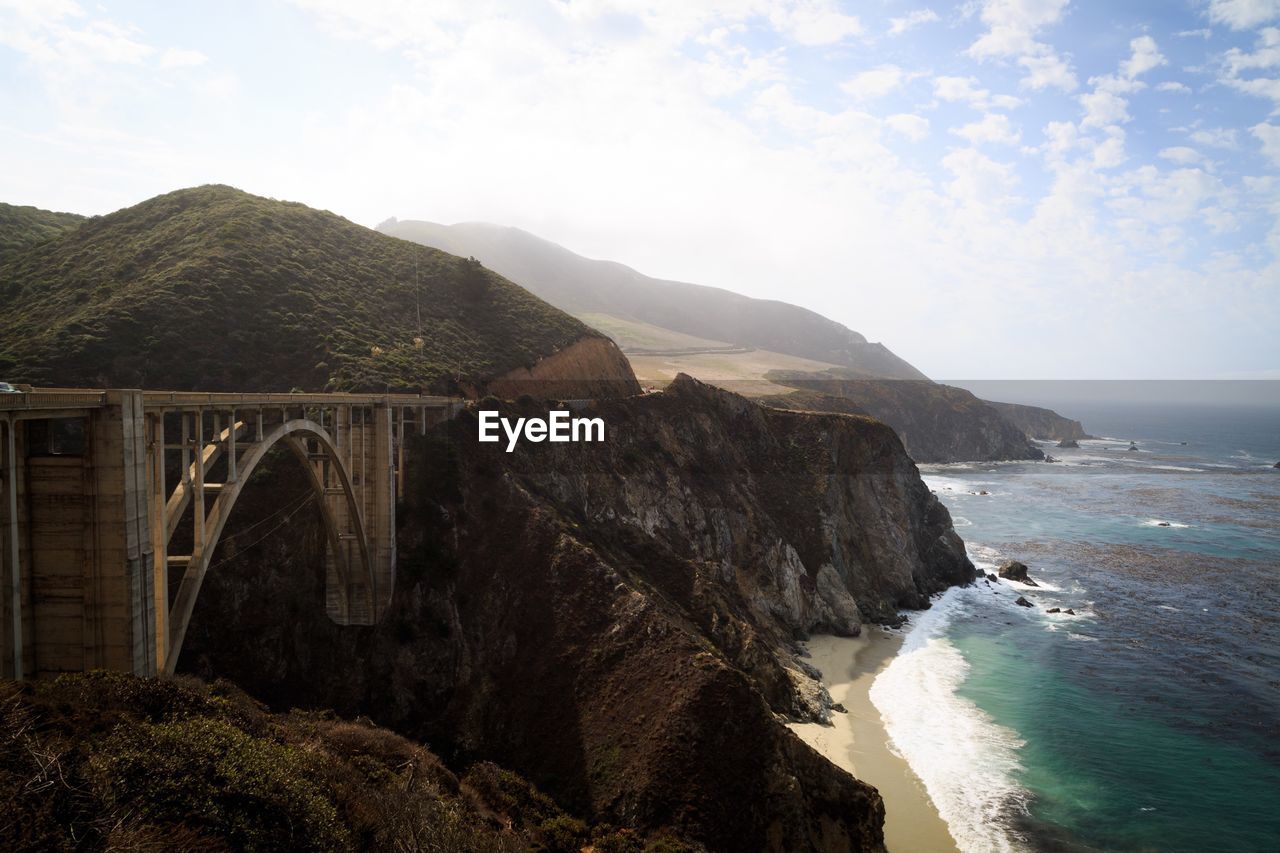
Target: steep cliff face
1044, 424
937, 423
616, 621
592, 367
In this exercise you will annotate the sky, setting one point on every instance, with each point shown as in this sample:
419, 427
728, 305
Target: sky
1002, 189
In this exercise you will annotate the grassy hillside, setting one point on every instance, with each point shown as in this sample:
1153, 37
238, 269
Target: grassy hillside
583, 286
213, 288
634, 336
23, 227
744, 373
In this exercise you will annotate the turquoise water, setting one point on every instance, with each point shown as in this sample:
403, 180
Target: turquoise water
1151, 719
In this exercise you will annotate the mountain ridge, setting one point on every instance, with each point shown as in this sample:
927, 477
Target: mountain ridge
585, 285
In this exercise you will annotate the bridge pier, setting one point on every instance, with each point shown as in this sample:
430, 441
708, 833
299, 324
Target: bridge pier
94, 491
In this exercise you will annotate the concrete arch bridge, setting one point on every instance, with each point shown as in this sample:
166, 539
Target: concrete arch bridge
105, 547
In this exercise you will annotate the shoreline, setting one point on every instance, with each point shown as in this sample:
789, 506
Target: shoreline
858, 742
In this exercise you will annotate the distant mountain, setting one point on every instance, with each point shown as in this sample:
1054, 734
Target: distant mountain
614, 294
212, 288
24, 227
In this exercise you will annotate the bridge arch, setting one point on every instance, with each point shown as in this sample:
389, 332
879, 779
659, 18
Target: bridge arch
357, 584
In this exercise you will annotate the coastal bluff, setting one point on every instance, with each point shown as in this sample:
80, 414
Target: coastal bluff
617, 622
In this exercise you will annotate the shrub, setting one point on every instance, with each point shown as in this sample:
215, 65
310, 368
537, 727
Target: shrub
256, 793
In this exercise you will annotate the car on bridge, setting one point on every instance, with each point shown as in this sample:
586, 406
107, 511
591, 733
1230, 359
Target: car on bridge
6, 388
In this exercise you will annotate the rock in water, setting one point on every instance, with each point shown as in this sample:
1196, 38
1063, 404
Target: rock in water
1016, 571
992, 577
1069, 612
1022, 602
1069, 443
1164, 524
1054, 610
1277, 465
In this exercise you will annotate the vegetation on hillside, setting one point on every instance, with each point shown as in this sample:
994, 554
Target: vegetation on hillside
215, 289
26, 226
108, 761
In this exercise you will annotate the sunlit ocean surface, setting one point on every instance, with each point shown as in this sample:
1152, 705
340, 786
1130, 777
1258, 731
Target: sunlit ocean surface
1150, 720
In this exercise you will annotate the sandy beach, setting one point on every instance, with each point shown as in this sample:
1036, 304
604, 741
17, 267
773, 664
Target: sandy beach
857, 740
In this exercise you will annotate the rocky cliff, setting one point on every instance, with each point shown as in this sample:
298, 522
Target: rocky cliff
615, 621
1044, 424
937, 423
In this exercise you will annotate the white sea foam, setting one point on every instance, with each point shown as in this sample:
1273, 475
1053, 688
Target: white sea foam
1160, 522
1038, 586
966, 760
960, 521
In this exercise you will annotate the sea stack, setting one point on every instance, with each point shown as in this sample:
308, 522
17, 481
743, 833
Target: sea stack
1070, 443
1016, 571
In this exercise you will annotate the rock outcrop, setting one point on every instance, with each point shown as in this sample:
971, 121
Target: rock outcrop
937, 423
617, 621
1016, 571
591, 367
1040, 423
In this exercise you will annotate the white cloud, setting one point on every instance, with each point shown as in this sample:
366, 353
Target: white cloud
980, 182
1104, 105
1204, 33
1218, 137
1102, 108
1047, 70
814, 22
898, 26
1269, 136
1181, 155
1264, 57
911, 126
1173, 86
178, 58
875, 82
965, 90
1012, 27
994, 127
1145, 56
1243, 14
1267, 54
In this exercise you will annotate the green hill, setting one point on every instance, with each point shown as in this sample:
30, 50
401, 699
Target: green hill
23, 227
214, 289
623, 297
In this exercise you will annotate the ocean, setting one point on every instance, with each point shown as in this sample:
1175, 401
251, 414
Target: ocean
1149, 720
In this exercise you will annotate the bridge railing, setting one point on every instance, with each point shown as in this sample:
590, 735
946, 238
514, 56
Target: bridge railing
168, 399
52, 399
82, 398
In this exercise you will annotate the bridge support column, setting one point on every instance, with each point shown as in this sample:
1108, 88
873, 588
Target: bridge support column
120, 619
12, 641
